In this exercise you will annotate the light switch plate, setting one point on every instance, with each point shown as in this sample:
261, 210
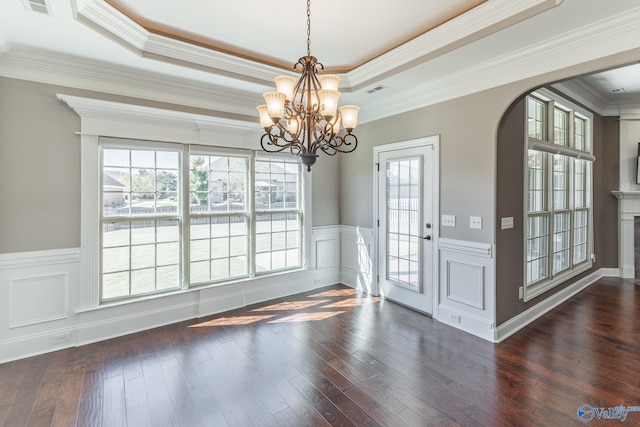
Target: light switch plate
475, 222
448, 220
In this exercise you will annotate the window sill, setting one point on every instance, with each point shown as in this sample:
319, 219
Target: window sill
197, 288
537, 289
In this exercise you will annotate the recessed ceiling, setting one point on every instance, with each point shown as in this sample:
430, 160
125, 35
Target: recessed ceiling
344, 34
222, 56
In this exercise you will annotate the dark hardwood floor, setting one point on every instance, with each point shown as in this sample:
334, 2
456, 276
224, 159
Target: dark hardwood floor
334, 357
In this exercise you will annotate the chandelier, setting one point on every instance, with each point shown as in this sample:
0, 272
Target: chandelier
303, 117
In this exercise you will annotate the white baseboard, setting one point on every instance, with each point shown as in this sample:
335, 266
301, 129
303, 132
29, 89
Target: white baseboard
466, 322
610, 272
518, 322
628, 272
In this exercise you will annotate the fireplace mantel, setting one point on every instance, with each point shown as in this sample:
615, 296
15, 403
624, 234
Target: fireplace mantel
624, 195
628, 209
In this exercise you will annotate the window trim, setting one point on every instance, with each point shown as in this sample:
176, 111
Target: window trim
133, 144
548, 146
100, 118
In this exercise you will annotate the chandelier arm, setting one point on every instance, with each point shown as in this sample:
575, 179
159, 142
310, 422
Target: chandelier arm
348, 141
304, 129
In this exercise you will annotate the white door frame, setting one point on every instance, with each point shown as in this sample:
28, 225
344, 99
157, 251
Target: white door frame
433, 141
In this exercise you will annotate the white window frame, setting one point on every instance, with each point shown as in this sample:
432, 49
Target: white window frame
101, 118
126, 144
548, 147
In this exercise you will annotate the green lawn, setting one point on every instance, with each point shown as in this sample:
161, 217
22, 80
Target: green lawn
217, 252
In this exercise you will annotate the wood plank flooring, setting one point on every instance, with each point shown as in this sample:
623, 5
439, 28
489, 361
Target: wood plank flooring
336, 357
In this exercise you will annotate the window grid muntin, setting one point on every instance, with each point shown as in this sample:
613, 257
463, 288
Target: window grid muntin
561, 183
154, 180
579, 183
218, 199
537, 181
155, 273
277, 201
580, 235
536, 118
292, 194
403, 207
235, 262
561, 240
220, 181
580, 134
537, 247
560, 126
283, 240
578, 175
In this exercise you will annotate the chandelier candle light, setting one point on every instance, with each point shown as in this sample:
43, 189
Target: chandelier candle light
303, 116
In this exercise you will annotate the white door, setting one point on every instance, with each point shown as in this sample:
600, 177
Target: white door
406, 228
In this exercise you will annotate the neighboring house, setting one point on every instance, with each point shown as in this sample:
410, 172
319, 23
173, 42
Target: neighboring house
113, 191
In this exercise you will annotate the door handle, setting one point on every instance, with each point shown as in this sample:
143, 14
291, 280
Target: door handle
427, 237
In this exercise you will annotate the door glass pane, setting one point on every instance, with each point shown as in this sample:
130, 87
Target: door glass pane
403, 222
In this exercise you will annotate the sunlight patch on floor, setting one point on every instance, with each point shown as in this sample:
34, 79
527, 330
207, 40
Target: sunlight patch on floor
232, 321
291, 305
306, 317
353, 302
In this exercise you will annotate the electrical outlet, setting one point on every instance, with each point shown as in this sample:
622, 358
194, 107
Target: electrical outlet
62, 338
521, 292
448, 220
475, 222
454, 317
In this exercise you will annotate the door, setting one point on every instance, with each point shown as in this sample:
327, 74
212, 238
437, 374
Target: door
406, 228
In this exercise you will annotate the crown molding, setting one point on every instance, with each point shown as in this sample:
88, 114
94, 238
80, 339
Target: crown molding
45, 67
581, 92
595, 41
5, 45
480, 21
487, 18
617, 34
124, 29
629, 111
89, 108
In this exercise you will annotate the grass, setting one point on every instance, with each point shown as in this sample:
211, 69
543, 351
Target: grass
217, 252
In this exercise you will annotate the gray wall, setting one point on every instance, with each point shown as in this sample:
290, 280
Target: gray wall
326, 190
40, 167
510, 197
467, 161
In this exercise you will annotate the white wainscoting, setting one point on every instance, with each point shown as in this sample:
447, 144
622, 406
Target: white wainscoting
356, 244
325, 255
41, 294
467, 289
39, 299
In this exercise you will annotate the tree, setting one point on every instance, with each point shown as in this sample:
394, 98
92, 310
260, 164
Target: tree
199, 179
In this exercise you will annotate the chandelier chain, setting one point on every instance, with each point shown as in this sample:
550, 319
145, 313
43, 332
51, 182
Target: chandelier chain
308, 27
303, 117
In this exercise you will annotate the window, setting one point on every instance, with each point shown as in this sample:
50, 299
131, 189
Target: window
219, 218
165, 226
140, 223
558, 237
279, 215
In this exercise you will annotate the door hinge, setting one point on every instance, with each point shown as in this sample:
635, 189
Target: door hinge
378, 278
378, 166
378, 223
